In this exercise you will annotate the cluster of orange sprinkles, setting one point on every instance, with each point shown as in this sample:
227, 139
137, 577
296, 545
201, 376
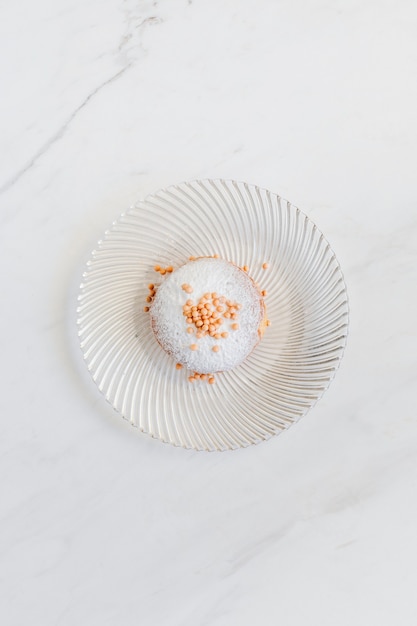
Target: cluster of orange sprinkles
150, 296
205, 316
163, 270
197, 376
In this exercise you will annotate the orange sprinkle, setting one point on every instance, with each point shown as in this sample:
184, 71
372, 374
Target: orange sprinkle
199, 335
203, 376
163, 272
217, 336
189, 289
194, 346
184, 286
232, 309
178, 366
216, 348
219, 321
191, 379
199, 323
190, 330
146, 309
189, 303
216, 302
234, 316
148, 299
207, 296
151, 286
170, 269
214, 295
265, 266
227, 314
157, 268
245, 268
211, 380
189, 320
220, 309
225, 335
204, 327
235, 326
196, 375
264, 292
212, 328
214, 315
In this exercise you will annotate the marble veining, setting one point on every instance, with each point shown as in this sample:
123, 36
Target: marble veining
103, 103
60, 132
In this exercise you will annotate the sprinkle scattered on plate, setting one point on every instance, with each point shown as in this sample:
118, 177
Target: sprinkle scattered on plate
289, 368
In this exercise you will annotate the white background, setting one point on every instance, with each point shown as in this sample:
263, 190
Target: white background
103, 102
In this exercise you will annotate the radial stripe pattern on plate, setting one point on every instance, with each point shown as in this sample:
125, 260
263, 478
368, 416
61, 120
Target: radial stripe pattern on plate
306, 303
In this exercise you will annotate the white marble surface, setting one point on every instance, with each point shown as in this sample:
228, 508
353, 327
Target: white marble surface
103, 102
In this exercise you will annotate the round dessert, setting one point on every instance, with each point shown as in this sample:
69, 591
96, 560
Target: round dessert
208, 315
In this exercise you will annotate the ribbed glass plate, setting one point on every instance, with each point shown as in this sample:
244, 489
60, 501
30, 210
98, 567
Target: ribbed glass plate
285, 374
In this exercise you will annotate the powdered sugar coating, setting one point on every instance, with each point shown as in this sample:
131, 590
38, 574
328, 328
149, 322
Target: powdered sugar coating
170, 326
